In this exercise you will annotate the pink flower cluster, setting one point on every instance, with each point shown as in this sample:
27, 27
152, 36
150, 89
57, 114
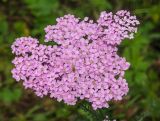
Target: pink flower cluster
83, 65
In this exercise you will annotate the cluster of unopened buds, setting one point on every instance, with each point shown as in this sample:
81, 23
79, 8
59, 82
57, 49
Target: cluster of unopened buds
106, 119
83, 64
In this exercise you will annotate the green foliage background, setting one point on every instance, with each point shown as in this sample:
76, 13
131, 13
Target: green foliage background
29, 17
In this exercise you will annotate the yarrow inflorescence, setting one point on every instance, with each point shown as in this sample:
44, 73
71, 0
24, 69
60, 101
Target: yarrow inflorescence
82, 65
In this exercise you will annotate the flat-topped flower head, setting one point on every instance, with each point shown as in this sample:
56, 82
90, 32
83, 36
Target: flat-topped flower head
83, 65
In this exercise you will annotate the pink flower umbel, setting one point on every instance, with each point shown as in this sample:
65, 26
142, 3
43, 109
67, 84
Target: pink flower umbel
83, 65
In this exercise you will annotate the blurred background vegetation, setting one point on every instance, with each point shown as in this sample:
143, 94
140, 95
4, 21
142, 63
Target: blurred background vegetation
29, 17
